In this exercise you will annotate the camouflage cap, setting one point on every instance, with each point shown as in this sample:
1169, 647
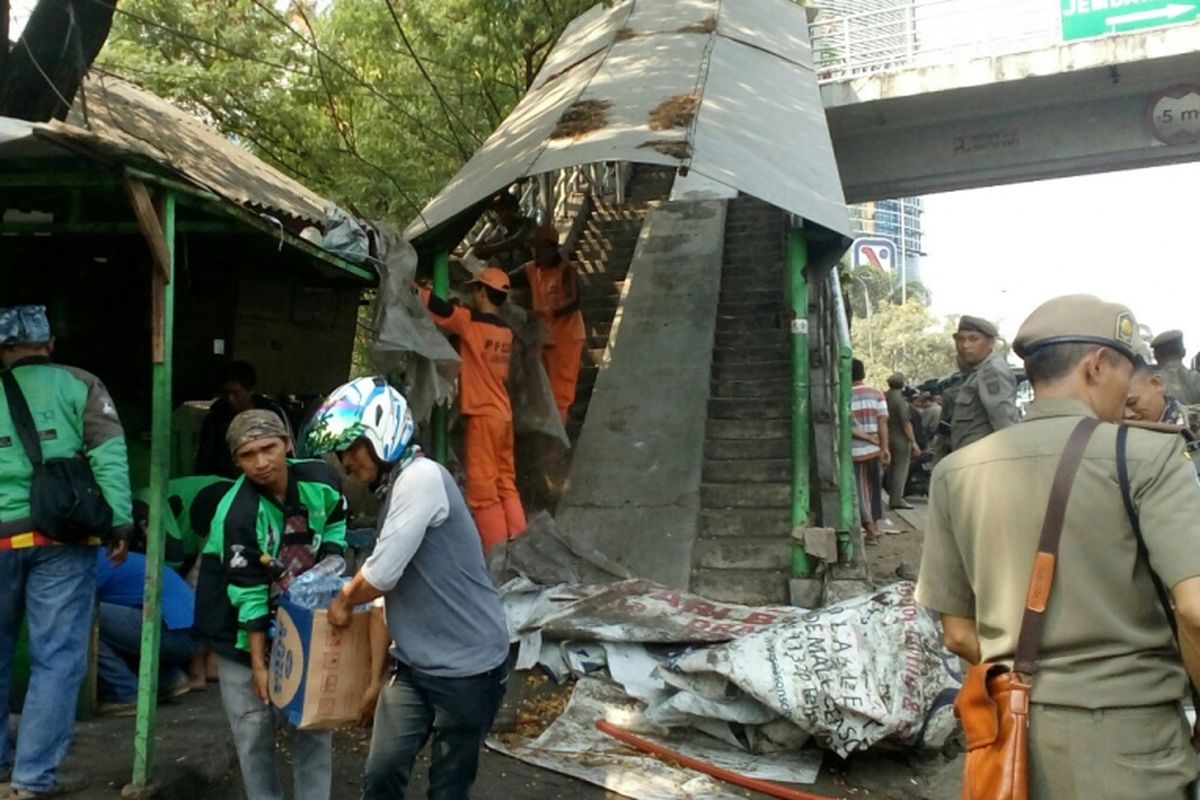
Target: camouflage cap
1082, 319
250, 426
968, 323
1167, 337
24, 325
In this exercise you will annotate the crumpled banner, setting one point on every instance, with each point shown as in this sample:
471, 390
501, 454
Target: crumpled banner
851, 675
573, 746
767, 679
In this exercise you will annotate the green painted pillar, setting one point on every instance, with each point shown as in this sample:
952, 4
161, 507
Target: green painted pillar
801, 421
440, 417
162, 325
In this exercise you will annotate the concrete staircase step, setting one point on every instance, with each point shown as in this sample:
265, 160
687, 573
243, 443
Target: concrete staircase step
767, 386
748, 370
731, 449
729, 552
739, 294
747, 470
772, 320
749, 408
760, 312
748, 429
746, 523
768, 336
749, 587
763, 354
746, 495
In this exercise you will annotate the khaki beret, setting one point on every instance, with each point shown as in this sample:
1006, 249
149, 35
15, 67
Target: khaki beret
1166, 337
1082, 319
968, 323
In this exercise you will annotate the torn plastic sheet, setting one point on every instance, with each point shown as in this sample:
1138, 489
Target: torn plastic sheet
408, 347
573, 746
851, 675
639, 610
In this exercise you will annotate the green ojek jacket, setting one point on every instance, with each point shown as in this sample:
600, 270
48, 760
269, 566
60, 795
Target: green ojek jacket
192, 502
74, 414
233, 597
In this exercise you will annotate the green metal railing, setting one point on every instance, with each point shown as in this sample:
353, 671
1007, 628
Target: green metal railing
846, 493
797, 254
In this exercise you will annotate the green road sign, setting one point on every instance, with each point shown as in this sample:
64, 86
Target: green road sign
1082, 19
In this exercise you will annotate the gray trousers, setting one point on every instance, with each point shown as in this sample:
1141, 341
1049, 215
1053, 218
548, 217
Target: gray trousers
1139, 753
253, 723
898, 472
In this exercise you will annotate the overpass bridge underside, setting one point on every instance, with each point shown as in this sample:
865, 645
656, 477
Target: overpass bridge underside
1069, 109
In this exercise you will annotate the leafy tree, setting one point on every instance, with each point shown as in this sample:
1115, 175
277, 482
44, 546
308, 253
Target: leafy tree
904, 338
869, 286
374, 103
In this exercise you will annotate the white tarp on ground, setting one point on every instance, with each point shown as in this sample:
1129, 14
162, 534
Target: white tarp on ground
573, 746
850, 676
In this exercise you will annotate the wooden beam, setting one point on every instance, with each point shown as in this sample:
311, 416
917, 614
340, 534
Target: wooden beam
150, 223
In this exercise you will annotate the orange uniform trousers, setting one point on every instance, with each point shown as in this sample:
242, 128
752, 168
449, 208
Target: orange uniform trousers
491, 480
562, 357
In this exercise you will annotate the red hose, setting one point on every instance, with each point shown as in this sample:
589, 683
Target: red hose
766, 787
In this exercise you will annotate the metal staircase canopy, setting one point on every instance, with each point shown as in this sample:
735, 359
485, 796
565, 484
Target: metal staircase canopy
723, 88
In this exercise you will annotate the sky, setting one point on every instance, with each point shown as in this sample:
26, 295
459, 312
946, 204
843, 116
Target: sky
1126, 237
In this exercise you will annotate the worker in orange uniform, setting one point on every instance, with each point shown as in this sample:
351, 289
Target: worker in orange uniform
554, 290
485, 344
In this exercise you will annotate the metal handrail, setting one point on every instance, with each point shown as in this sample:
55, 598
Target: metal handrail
921, 33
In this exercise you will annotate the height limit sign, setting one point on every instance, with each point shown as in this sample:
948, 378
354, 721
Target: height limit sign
1083, 19
1175, 114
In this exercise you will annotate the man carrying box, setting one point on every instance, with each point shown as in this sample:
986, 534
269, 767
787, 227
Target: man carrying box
279, 518
449, 641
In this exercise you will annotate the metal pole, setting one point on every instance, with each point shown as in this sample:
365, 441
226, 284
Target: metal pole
903, 255
801, 469
439, 420
846, 493
163, 324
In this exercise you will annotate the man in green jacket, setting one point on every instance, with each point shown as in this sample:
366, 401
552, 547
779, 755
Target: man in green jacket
52, 585
192, 502
279, 518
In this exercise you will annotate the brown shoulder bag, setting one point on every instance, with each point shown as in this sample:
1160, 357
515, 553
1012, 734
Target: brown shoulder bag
993, 703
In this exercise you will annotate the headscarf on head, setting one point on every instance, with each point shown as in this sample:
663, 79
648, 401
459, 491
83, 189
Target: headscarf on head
250, 426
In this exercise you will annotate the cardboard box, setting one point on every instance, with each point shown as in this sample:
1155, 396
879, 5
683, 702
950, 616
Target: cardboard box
319, 673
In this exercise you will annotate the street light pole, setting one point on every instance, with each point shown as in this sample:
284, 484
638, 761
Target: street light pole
867, 305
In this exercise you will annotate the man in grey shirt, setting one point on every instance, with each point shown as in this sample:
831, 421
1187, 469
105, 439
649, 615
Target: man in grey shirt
449, 642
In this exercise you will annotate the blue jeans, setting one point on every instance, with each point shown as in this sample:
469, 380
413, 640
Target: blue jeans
54, 588
120, 647
458, 712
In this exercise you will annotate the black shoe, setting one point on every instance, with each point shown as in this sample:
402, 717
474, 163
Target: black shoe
904, 505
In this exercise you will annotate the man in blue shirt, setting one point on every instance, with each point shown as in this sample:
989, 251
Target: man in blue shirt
121, 592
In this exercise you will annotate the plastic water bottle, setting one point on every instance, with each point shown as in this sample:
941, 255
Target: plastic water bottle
317, 587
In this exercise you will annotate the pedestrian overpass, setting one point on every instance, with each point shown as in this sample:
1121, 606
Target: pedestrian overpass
926, 96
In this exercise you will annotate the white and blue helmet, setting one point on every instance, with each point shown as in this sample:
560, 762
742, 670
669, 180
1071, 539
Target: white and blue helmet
366, 407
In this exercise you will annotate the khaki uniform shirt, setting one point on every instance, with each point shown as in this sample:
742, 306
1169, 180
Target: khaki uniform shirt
899, 413
1107, 642
985, 402
1180, 382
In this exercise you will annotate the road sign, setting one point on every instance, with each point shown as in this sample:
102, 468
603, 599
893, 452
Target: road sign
1082, 19
873, 251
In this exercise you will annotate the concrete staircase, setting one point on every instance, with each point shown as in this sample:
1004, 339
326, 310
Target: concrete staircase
603, 255
742, 552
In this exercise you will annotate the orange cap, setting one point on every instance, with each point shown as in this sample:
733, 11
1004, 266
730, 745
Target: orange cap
494, 278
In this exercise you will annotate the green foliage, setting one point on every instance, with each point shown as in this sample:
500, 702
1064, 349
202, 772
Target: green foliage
373, 103
870, 285
903, 338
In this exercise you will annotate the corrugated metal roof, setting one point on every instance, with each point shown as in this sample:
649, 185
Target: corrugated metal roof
758, 126
123, 121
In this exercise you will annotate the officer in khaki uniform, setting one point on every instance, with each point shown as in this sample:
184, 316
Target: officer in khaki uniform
1180, 382
1106, 720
